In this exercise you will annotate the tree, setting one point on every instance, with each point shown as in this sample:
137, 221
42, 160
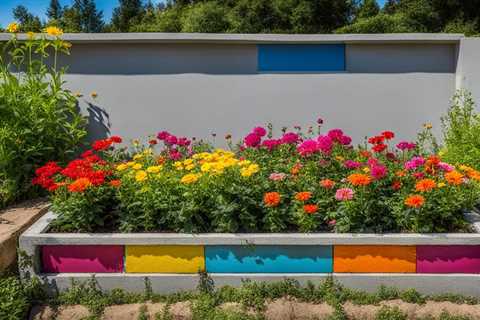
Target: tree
82, 16
27, 21
126, 14
390, 7
367, 9
208, 17
54, 11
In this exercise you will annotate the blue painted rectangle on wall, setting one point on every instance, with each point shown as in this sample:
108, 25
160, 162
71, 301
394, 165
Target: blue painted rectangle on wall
301, 57
269, 259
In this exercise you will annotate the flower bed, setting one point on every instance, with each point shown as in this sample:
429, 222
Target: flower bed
301, 181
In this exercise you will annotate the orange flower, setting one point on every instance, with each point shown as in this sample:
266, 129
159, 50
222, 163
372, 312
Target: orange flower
365, 153
454, 177
425, 185
303, 196
415, 201
115, 183
400, 173
296, 169
327, 183
79, 185
359, 179
310, 208
396, 185
271, 199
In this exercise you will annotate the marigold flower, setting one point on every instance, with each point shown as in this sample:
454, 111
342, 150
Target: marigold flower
53, 31
303, 196
454, 177
359, 179
190, 178
425, 185
344, 194
12, 27
116, 183
271, 199
79, 185
327, 183
310, 208
414, 201
141, 176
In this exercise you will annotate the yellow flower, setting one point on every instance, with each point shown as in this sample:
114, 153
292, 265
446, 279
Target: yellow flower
94, 94
244, 163
190, 167
427, 125
131, 163
30, 35
188, 162
141, 176
248, 171
178, 165
137, 166
137, 157
206, 167
122, 167
12, 27
190, 178
154, 169
53, 31
340, 158
366, 169
441, 184
66, 45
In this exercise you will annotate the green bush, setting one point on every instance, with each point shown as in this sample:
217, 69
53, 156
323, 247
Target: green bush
16, 297
386, 313
40, 119
461, 131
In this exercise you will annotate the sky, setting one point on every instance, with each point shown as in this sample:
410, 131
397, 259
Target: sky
38, 7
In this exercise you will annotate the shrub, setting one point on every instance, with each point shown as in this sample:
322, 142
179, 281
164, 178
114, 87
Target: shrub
386, 313
40, 119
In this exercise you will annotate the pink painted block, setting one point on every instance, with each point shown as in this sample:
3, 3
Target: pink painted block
448, 259
82, 259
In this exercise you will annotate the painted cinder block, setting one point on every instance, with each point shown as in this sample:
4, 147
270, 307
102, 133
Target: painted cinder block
448, 259
164, 259
268, 259
301, 57
373, 259
82, 258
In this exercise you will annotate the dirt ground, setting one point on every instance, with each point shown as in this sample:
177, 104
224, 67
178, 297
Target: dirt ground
281, 309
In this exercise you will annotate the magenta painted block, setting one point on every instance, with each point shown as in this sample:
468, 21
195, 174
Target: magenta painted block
82, 259
448, 259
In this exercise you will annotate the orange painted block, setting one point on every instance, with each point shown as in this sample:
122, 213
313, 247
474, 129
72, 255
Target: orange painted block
373, 259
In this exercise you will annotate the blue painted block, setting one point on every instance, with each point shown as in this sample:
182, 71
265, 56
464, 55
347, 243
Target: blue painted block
269, 259
301, 57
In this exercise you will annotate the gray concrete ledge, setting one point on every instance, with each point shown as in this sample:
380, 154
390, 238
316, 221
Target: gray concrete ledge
253, 38
465, 284
36, 236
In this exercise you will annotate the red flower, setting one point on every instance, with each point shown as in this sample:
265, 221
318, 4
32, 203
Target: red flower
87, 154
388, 135
396, 185
379, 147
310, 208
116, 139
376, 140
152, 142
100, 145
115, 183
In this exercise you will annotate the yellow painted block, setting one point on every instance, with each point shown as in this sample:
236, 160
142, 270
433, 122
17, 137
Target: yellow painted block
164, 259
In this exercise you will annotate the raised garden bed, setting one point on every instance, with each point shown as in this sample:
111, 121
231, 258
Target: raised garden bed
430, 263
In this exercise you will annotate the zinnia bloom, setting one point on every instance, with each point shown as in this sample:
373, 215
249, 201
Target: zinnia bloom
307, 147
359, 179
140, 176
454, 177
79, 185
190, 178
259, 131
350, 164
252, 140
101, 145
277, 176
344, 194
116, 139
378, 171
116, 183
396, 185
310, 208
290, 138
327, 183
325, 144
388, 135
303, 196
379, 147
162, 135
425, 185
414, 201
405, 145
271, 199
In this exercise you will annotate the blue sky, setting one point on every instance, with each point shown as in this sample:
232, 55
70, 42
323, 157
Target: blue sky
38, 7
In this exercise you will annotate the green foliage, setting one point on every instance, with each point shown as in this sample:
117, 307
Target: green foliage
386, 313
367, 9
461, 131
127, 14
206, 17
28, 22
16, 297
40, 118
381, 23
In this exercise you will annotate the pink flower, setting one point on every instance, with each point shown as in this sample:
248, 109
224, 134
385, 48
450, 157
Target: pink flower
418, 175
344, 194
259, 131
252, 140
372, 162
414, 163
184, 142
174, 155
446, 166
171, 140
405, 145
271, 144
332, 222
162, 135
345, 140
350, 164
277, 176
378, 171
335, 134
325, 143
290, 138
307, 147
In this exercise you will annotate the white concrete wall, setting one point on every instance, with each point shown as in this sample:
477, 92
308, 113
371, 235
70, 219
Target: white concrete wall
468, 67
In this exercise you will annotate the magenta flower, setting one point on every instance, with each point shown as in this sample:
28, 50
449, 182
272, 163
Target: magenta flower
350, 164
290, 138
344, 194
252, 140
271, 144
307, 147
405, 145
335, 134
446, 166
414, 163
259, 131
277, 176
162, 135
325, 144
174, 155
184, 142
171, 140
345, 140
378, 171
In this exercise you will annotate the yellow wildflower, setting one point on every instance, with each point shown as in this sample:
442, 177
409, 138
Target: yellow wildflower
53, 31
190, 178
154, 169
178, 165
12, 27
366, 169
190, 167
248, 171
122, 167
137, 166
66, 45
188, 162
141, 176
441, 184
77, 94
131, 163
206, 167
137, 157
244, 163
340, 158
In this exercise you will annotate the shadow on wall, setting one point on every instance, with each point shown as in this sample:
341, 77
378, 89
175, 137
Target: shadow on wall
98, 122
